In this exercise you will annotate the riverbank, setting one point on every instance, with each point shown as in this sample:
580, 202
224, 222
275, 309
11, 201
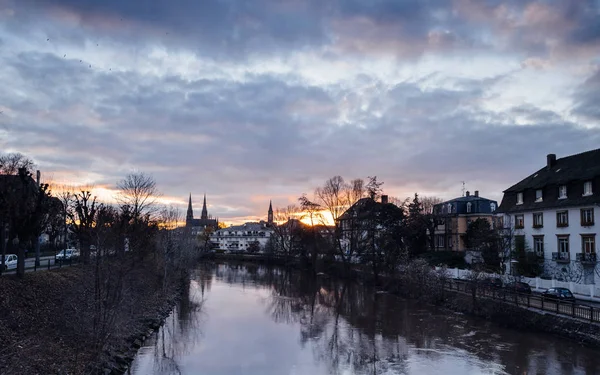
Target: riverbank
420, 282
47, 320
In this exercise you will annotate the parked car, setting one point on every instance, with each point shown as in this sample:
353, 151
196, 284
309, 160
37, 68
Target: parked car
67, 254
519, 287
10, 262
559, 294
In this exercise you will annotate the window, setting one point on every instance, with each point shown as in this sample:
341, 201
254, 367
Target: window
492, 207
519, 222
562, 219
562, 192
538, 245
440, 241
538, 195
563, 244
519, 198
587, 217
538, 220
588, 243
469, 205
587, 188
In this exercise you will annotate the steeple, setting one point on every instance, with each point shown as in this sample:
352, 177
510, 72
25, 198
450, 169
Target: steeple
270, 214
190, 212
204, 210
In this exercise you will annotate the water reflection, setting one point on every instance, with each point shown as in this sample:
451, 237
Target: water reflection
257, 320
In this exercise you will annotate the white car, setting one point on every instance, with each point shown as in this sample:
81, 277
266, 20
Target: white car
10, 262
67, 254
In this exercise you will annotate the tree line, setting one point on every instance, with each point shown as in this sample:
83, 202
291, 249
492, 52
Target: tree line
355, 223
128, 249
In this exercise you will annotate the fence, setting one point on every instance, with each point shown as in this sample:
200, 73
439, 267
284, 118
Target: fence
570, 309
582, 290
45, 264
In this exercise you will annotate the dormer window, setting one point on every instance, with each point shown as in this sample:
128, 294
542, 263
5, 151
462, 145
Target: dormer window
539, 195
469, 205
562, 192
587, 188
520, 198
492, 207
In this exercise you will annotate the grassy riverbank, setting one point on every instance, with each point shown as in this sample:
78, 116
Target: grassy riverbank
49, 320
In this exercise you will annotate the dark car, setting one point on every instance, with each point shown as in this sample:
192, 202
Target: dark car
492, 282
559, 294
518, 287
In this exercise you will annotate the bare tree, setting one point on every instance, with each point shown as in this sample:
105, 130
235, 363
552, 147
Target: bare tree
287, 221
428, 203
138, 191
12, 162
335, 197
83, 220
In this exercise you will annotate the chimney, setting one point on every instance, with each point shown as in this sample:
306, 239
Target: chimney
477, 193
384, 199
551, 160
468, 193
38, 175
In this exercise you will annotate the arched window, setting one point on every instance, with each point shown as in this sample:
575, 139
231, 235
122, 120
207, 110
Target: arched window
469, 205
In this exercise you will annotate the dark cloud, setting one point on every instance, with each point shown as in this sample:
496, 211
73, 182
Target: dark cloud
243, 134
587, 98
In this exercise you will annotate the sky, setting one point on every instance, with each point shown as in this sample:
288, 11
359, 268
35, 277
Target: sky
251, 101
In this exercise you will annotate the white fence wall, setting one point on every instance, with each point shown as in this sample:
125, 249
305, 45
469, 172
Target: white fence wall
538, 284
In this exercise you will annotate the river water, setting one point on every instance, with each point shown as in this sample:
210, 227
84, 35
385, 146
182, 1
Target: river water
248, 319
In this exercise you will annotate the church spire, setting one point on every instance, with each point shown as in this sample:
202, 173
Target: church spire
204, 210
270, 214
190, 212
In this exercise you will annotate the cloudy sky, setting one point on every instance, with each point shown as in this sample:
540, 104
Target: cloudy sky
248, 101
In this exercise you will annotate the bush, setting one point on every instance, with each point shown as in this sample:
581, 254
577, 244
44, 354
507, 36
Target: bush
452, 259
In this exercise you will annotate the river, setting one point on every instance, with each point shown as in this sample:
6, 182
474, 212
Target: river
249, 319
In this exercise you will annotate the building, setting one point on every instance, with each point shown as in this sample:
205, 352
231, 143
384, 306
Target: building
452, 219
363, 222
248, 237
552, 212
196, 226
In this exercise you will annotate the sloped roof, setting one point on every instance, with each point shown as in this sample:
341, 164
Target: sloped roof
583, 166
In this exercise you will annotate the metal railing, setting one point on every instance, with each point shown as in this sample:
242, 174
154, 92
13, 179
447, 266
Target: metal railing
586, 257
46, 264
566, 308
561, 257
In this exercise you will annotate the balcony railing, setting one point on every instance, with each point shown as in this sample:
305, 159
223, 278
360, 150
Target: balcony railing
561, 257
586, 257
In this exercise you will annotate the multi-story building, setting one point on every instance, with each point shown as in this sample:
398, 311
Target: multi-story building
552, 212
452, 219
248, 237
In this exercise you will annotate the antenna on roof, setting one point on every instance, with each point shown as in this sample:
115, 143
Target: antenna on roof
463, 188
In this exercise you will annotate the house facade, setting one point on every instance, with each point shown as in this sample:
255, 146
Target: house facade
248, 237
452, 219
554, 212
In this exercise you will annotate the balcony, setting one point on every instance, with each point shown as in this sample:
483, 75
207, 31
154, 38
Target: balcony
561, 257
586, 258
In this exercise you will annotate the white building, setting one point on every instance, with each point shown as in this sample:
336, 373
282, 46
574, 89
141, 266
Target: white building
246, 237
552, 212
